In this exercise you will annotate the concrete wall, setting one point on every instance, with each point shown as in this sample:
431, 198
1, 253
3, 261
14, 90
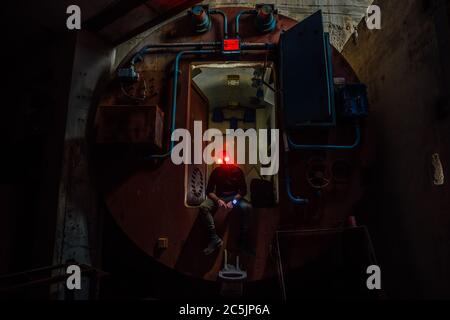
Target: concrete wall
78, 225
405, 65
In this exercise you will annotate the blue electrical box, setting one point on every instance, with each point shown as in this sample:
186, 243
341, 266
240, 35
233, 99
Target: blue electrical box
353, 102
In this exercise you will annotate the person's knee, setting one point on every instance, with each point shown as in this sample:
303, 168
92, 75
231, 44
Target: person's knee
206, 207
203, 209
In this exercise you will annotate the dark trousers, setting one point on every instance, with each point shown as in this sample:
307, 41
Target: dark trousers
209, 207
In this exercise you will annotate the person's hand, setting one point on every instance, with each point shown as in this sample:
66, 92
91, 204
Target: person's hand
230, 205
221, 203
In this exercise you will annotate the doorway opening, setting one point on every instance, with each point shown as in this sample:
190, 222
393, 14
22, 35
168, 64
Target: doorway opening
233, 95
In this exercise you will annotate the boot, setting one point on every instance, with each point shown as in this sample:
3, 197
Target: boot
214, 243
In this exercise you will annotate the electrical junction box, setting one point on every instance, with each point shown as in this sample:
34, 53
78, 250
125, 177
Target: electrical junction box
231, 46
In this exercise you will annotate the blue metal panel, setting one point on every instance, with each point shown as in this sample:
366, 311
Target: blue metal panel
306, 74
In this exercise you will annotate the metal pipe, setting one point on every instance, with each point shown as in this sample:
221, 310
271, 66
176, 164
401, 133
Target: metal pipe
183, 44
328, 147
174, 97
238, 17
258, 46
294, 199
196, 45
225, 20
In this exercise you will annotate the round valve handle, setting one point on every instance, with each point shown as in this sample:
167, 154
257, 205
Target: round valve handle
318, 174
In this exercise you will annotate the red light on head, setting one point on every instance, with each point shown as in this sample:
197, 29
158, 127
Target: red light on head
223, 158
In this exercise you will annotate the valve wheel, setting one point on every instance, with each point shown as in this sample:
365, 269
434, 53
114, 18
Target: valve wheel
318, 173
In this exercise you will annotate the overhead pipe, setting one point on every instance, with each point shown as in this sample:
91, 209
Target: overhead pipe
225, 21
328, 147
174, 96
238, 17
258, 46
195, 45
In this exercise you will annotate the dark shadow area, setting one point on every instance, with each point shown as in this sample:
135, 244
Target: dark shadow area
134, 275
192, 260
327, 265
114, 163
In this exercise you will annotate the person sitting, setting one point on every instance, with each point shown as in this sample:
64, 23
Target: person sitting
226, 189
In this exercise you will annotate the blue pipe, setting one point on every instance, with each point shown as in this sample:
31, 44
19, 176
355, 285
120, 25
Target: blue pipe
294, 199
238, 17
328, 147
194, 45
174, 97
287, 176
225, 21
258, 46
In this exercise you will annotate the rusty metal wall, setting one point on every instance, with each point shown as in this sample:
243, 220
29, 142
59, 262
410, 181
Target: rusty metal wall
340, 17
78, 210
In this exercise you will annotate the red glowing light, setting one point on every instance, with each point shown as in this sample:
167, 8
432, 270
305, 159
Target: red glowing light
231, 45
223, 158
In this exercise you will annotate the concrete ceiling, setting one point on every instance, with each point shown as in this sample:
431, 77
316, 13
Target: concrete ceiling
213, 82
113, 20
123, 19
